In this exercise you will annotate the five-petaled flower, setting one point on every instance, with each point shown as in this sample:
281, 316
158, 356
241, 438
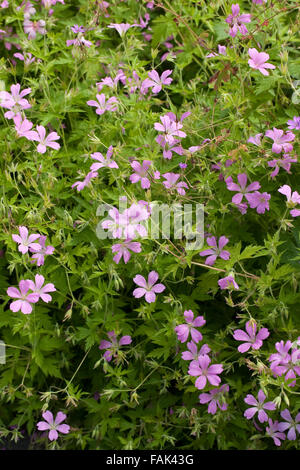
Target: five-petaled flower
44, 142
25, 299
155, 82
292, 199
148, 289
290, 424
215, 250
190, 326
215, 398
123, 250
38, 288
141, 173
258, 406
102, 105
113, 345
258, 61
26, 241
205, 372
54, 426
251, 339
237, 21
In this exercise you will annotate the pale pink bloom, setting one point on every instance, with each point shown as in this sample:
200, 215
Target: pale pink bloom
23, 127
281, 140
103, 161
112, 82
40, 253
221, 49
49, 3
168, 149
251, 339
292, 199
294, 123
127, 223
4, 4
255, 140
171, 183
183, 331
259, 2
227, 282
215, 250
155, 82
215, 398
258, 60
205, 372
141, 173
102, 105
113, 345
121, 27
33, 27
28, 10
25, 299
237, 21
259, 201
54, 426
82, 184
170, 128
27, 57
258, 406
123, 250
14, 101
148, 289
26, 242
284, 162
44, 142
38, 288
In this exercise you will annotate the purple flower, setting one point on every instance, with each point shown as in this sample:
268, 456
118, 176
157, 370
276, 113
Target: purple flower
280, 140
148, 289
141, 172
290, 424
255, 140
259, 201
170, 128
272, 431
40, 253
38, 288
33, 27
251, 339
258, 406
171, 183
127, 222
168, 149
122, 250
25, 299
14, 101
77, 29
185, 329
113, 345
216, 250
242, 188
121, 27
215, 398
284, 363
292, 199
102, 105
53, 426
103, 162
44, 142
282, 355
294, 123
155, 82
192, 354
26, 57
23, 127
205, 372
82, 184
237, 21
228, 282
284, 162
258, 61
26, 242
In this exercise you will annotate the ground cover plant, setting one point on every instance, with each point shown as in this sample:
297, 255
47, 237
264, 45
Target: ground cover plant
113, 338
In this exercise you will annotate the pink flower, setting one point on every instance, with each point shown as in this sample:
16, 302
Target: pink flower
44, 142
292, 199
27, 57
23, 127
77, 29
259, 201
26, 242
258, 61
215, 398
103, 162
284, 162
4, 4
284, 363
221, 49
53, 426
273, 431
259, 2
251, 339
242, 188
294, 123
40, 253
78, 42
168, 149
171, 183
185, 329
255, 140
25, 299
102, 105
282, 356
155, 82
148, 289
227, 282
122, 250
237, 21
41, 290
141, 172
216, 250
33, 27
280, 140
258, 407
192, 354
205, 372
14, 101
82, 184
170, 128
293, 425
121, 27
113, 345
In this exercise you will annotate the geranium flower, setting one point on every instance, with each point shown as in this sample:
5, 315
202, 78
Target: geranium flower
26, 242
122, 28
294, 123
258, 407
33, 27
293, 425
23, 127
171, 183
155, 82
168, 149
102, 105
227, 282
141, 172
103, 162
205, 372
259, 201
273, 431
113, 345
44, 142
14, 101
54, 426
237, 21
215, 398
255, 140
251, 338
38, 288
280, 140
26, 57
170, 128
215, 250
284, 162
39, 256
25, 298
242, 188
185, 329
192, 354
258, 61
148, 289
122, 250
292, 199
